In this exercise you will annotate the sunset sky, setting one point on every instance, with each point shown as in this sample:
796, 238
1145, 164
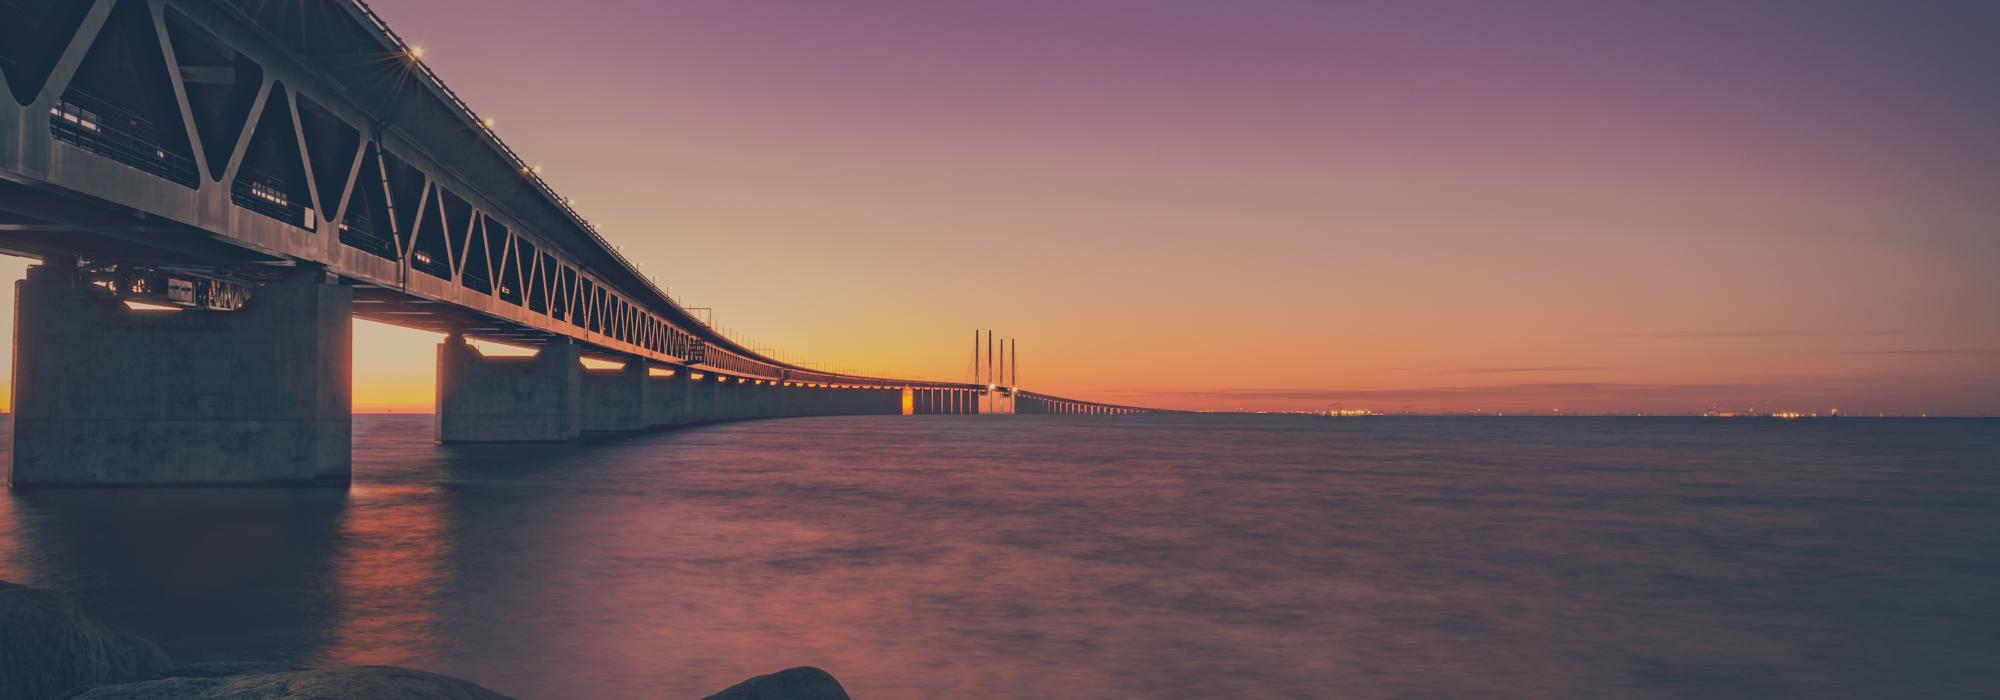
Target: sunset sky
1429, 206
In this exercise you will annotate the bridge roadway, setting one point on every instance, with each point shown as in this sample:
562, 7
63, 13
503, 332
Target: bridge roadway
271, 170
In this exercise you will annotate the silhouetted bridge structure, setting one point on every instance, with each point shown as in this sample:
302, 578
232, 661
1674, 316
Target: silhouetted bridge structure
273, 169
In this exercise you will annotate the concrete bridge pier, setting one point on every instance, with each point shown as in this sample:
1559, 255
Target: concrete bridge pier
105, 394
722, 402
667, 399
741, 404
757, 400
785, 399
770, 399
508, 399
615, 400
714, 400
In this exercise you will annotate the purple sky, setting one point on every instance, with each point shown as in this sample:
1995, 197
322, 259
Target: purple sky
1442, 205
1456, 205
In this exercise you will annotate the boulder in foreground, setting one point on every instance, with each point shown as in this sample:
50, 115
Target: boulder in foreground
49, 649
801, 683
373, 682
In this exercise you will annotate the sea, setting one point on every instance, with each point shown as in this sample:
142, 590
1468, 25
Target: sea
1158, 556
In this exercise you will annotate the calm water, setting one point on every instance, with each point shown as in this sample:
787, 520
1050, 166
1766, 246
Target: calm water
1166, 556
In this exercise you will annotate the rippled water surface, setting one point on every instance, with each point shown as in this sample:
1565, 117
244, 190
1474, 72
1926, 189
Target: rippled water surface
1139, 557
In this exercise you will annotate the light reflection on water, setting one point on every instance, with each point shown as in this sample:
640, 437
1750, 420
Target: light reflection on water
1168, 556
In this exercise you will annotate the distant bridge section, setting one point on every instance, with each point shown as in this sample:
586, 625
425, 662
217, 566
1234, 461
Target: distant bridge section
271, 170
1028, 402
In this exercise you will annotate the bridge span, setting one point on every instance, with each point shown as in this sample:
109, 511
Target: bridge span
215, 188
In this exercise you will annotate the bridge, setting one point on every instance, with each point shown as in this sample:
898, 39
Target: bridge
215, 188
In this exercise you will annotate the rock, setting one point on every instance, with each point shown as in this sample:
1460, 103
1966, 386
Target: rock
218, 669
49, 649
801, 683
373, 682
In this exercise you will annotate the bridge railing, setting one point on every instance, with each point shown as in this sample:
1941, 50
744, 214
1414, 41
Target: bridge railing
107, 129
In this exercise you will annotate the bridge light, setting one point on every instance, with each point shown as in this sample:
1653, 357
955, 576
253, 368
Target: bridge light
149, 306
536, 169
416, 52
487, 122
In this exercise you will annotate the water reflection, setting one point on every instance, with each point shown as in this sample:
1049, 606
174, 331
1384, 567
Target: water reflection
203, 572
390, 573
305, 576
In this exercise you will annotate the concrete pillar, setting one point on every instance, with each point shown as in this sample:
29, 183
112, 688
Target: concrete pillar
761, 405
667, 399
725, 398
701, 399
742, 403
615, 399
722, 398
746, 399
733, 397
770, 400
508, 399
787, 399
104, 394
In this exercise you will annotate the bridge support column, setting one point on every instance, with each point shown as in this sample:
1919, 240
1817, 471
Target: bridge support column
785, 399
733, 399
104, 394
717, 399
761, 403
615, 399
508, 399
667, 399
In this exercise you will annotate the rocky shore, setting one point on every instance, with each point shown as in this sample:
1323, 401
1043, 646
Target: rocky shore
50, 650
